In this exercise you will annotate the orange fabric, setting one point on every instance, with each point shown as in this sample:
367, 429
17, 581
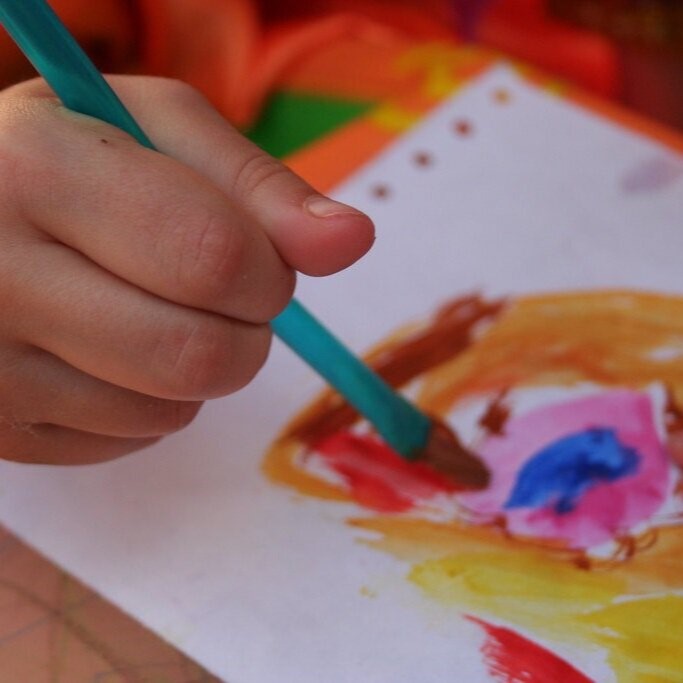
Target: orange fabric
245, 48
523, 29
236, 51
209, 44
422, 19
354, 46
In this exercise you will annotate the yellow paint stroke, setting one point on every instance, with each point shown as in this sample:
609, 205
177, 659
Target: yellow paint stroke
519, 588
441, 67
482, 571
368, 592
393, 117
644, 637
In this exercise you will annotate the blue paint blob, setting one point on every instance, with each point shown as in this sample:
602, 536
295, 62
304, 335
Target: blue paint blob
559, 474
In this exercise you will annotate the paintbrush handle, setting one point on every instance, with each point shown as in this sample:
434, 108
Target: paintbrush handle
59, 59
399, 422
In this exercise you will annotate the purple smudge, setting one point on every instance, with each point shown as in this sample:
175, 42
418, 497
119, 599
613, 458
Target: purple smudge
651, 175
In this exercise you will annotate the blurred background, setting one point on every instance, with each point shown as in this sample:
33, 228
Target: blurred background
647, 39
288, 72
243, 52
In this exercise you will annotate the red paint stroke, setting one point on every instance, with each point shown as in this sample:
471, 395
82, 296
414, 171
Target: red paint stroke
377, 477
512, 658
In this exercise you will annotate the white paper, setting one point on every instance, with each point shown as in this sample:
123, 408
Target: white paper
259, 585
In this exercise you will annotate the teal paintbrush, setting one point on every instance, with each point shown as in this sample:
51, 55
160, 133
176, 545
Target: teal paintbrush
58, 58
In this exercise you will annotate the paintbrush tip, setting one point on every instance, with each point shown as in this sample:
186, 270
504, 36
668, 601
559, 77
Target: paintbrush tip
445, 454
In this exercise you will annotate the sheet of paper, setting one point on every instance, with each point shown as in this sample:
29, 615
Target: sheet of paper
505, 191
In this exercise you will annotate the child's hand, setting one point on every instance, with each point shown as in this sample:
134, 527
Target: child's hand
134, 284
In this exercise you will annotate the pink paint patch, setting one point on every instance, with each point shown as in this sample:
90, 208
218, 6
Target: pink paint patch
604, 512
377, 477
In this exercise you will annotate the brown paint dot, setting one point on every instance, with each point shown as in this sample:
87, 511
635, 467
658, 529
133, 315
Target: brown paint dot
496, 416
423, 159
501, 96
462, 127
380, 191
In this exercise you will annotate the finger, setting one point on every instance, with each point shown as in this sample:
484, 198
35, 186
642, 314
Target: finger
36, 387
59, 301
143, 216
312, 233
53, 445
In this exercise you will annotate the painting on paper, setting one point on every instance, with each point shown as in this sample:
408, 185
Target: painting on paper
567, 384
526, 287
574, 401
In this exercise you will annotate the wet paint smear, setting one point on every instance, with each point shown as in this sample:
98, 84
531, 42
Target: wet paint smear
462, 127
495, 417
651, 175
380, 191
561, 473
423, 159
512, 658
501, 96
377, 476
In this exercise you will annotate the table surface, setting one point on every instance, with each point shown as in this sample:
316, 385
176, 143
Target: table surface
53, 629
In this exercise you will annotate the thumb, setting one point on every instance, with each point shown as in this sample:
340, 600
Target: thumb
313, 234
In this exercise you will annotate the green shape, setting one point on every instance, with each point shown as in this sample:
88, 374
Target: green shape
290, 121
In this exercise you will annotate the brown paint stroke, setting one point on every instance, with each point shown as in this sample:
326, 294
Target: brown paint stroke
449, 333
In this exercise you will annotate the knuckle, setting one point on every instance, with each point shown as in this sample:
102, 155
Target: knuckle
255, 344
211, 253
196, 358
216, 262
172, 416
257, 170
